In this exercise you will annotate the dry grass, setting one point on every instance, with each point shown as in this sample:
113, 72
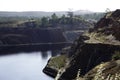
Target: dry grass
57, 62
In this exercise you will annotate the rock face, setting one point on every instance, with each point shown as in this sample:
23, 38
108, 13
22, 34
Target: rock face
26, 36
110, 24
88, 56
89, 51
51, 72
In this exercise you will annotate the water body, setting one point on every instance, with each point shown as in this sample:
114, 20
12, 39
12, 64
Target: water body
26, 62
24, 66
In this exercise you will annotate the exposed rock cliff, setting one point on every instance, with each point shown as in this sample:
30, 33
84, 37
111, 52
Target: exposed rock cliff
91, 49
28, 36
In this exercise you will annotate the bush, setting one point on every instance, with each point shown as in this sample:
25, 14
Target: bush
116, 55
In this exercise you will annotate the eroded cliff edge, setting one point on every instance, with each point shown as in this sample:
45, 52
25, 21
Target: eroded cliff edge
98, 46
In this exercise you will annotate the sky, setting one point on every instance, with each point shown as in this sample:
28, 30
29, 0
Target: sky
59, 5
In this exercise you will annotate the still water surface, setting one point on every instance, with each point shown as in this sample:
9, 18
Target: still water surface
24, 66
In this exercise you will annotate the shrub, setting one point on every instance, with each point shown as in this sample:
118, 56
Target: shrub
116, 55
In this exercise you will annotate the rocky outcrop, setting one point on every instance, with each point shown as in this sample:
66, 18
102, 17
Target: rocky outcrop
110, 24
55, 64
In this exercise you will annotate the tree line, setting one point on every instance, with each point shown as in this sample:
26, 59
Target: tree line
47, 21
54, 20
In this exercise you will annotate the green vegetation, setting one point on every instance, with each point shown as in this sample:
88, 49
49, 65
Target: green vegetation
116, 55
54, 20
57, 62
41, 22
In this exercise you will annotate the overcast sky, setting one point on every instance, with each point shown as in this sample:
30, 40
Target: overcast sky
58, 5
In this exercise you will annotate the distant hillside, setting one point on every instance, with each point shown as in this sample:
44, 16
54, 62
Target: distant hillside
40, 13
28, 14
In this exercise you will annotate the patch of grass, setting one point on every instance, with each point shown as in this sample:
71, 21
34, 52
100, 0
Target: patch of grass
116, 55
57, 62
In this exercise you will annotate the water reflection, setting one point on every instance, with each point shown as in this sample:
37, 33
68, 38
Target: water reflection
45, 54
29, 48
56, 52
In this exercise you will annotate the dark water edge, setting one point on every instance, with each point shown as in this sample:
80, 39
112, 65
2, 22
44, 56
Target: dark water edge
4, 50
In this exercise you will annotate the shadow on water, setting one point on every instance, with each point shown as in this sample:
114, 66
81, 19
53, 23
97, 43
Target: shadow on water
55, 48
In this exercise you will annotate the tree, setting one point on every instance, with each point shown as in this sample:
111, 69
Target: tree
54, 16
63, 19
70, 15
54, 19
44, 21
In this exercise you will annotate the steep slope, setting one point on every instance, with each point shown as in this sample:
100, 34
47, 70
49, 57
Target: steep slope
110, 24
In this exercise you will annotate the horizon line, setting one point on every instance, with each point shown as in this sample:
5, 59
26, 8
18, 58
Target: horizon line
50, 11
